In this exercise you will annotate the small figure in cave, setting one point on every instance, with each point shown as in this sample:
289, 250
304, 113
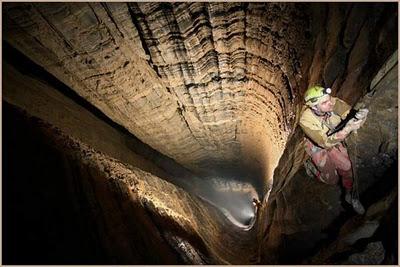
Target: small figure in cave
329, 157
256, 204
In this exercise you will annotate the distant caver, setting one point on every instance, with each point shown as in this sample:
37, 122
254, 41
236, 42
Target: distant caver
329, 158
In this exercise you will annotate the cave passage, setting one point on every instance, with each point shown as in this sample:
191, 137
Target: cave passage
233, 193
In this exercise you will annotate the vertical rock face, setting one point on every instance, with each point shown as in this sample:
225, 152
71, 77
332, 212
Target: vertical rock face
352, 42
322, 209
217, 87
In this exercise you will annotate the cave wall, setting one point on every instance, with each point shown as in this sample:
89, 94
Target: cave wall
86, 192
204, 75
375, 145
213, 86
64, 196
352, 41
351, 45
42, 100
41, 97
59, 209
316, 218
32, 89
182, 72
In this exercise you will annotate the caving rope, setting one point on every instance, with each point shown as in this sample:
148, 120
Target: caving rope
354, 193
387, 67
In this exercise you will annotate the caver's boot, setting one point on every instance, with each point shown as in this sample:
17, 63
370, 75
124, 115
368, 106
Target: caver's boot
357, 206
355, 203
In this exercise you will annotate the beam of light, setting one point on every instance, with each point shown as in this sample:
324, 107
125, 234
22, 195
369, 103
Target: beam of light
233, 198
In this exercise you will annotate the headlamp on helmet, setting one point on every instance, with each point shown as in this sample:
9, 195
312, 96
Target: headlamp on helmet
314, 94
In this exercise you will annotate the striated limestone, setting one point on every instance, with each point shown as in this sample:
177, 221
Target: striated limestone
187, 79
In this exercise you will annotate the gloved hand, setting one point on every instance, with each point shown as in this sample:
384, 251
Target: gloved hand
362, 113
353, 125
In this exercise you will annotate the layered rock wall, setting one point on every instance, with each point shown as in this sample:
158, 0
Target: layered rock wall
195, 84
41, 100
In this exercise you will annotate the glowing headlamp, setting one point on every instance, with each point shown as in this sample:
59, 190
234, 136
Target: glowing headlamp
326, 91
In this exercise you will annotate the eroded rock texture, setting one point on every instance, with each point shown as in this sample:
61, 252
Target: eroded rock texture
117, 213
189, 80
199, 105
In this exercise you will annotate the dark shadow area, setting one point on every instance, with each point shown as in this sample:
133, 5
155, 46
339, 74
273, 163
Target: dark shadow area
50, 220
41, 225
303, 245
387, 231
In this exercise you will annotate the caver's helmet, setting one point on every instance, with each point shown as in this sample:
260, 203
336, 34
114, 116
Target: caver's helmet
315, 94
